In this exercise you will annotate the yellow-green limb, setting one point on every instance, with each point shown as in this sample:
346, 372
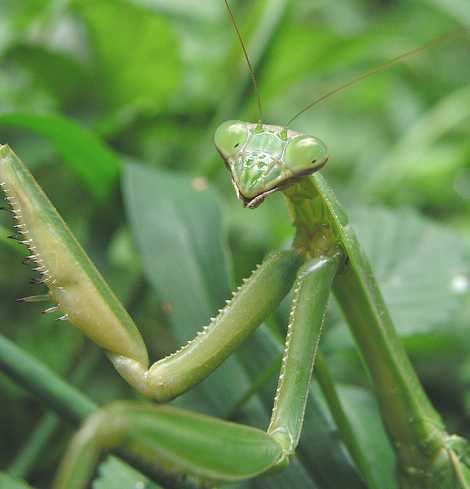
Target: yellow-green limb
311, 293
250, 305
81, 296
207, 449
76, 288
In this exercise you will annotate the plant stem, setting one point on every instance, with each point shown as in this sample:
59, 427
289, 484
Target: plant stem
45, 384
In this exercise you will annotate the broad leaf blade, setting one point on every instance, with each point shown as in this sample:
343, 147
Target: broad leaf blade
136, 53
417, 264
365, 419
7, 482
93, 162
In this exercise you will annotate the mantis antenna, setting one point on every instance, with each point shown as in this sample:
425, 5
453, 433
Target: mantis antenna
378, 69
247, 58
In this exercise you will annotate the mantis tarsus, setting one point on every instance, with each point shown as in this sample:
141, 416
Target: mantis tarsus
325, 255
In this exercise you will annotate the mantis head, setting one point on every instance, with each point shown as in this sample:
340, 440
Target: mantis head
264, 158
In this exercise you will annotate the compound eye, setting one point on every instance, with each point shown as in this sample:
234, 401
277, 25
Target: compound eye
230, 137
304, 153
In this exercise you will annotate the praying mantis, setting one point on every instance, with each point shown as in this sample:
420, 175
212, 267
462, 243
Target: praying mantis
325, 256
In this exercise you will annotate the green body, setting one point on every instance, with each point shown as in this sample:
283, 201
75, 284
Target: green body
325, 256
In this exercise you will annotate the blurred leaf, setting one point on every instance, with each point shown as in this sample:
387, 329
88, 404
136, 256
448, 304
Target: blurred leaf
114, 474
388, 177
93, 162
7, 482
60, 354
136, 53
433, 179
178, 230
19, 91
455, 8
417, 264
16, 17
365, 419
206, 9
57, 73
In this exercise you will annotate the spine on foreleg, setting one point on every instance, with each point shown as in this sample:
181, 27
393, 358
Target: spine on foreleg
75, 285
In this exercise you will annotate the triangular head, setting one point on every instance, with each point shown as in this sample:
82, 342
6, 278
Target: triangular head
264, 158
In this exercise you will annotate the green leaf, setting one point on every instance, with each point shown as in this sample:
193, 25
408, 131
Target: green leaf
365, 419
93, 162
17, 17
60, 75
391, 177
455, 8
113, 474
136, 53
419, 266
207, 9
7, 482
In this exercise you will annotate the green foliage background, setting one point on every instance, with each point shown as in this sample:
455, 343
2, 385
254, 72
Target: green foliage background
95, 93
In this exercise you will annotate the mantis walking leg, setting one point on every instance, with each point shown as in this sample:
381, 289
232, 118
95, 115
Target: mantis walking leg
311, 293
